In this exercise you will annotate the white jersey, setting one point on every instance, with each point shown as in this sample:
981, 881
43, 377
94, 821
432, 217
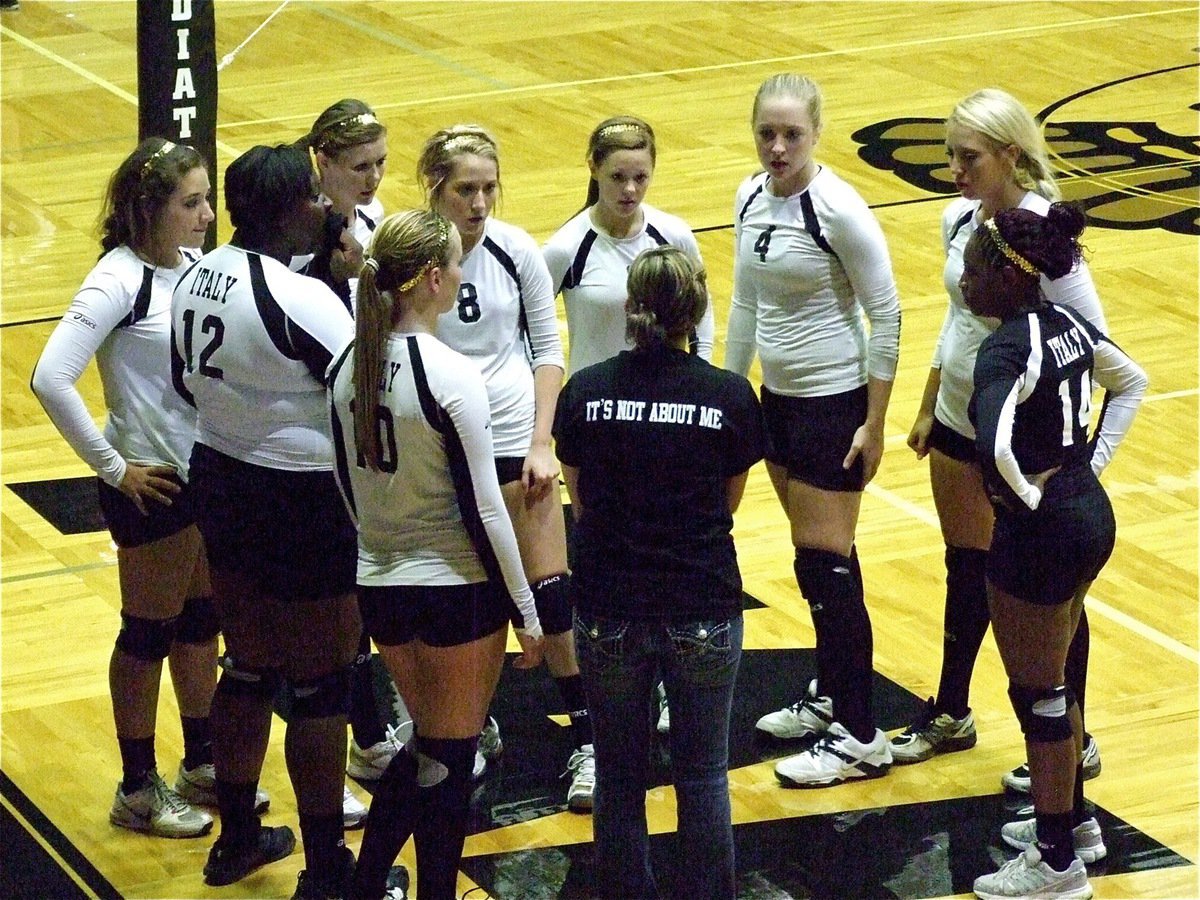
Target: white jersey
252, 341
362, 228
590, 269
121, 315
506, 322
366, 220
437, 487
963, 331
806, 268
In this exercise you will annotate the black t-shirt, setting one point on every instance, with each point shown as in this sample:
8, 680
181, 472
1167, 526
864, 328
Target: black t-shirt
656, 435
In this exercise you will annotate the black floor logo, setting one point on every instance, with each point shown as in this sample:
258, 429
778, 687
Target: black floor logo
1129, 175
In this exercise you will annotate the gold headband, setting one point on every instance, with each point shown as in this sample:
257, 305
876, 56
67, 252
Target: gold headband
443, 240
618, 128
1013, 256
162, 151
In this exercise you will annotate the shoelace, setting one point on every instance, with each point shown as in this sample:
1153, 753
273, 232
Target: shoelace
581, 765
169, 799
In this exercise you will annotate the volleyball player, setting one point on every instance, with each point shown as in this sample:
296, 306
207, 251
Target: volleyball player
156, 213
505, 322
1054, 527
251, 344
439, 571
349, 147
998, 160
589, 257
810, 260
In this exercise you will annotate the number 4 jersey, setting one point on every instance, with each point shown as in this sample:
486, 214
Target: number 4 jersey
251, 341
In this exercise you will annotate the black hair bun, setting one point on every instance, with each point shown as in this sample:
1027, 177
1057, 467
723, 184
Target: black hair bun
1067, 219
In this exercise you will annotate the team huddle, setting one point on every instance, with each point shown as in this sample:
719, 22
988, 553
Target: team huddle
345, 429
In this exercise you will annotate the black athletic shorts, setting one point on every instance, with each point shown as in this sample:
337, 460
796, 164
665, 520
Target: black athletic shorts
1044, 556
950, 443
508, 468
810, 437
437, 615
129, 528
285, 529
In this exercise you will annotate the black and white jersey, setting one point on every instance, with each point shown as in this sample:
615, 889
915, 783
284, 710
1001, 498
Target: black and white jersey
506, 322
963, 331
366, 220
1031, 407
362, 227
250, 347
806, 269
590, 269
121, 315
656, 435
433, 513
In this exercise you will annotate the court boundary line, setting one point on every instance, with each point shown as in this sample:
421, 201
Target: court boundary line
78, 868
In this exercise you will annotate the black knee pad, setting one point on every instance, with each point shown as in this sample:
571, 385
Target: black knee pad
825, 577
197, 623
247, 681
447, 761
1042, 712
321, 697
362, 655
553, 604
146, 639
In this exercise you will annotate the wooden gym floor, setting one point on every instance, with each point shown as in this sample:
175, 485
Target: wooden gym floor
1118, 82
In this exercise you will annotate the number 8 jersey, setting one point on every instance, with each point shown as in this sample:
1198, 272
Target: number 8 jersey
505, 320
250, 344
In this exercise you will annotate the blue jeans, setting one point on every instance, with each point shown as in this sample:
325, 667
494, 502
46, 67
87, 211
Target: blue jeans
621, 662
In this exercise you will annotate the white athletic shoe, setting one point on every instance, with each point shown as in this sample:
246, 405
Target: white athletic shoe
582, 768
933, 734
1018, 779
158, 810
1028, 876
354, 814
369, 763
1086, 836
198, 786
835, 758
812, 714
489, 748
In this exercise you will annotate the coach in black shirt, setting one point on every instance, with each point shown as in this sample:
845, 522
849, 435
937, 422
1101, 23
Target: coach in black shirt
655, 445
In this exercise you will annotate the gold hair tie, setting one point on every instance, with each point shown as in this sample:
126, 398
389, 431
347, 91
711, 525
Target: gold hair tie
1013, 256
412, 282
166, 148
618, 128
443, 227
